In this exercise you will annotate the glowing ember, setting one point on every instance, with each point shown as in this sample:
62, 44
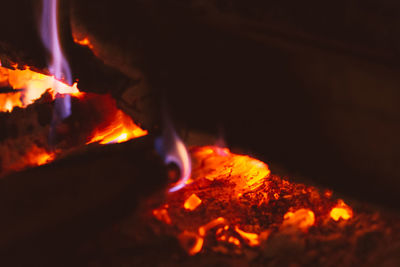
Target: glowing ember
234, 240
162, 215
251, 238
191, 242
301, 219
84, 42
247, 173
192, 202
341, 211
241, 191
36, 156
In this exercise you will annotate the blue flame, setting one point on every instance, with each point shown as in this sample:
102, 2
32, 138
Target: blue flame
173, 150
58, 66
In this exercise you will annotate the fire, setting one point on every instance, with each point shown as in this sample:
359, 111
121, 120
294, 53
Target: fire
341, 211
27, 86
192, 202
121, 129
36, 156
173, 150
234, 188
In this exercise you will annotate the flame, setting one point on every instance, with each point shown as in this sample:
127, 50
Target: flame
233, 188
59, 66
192, 202
341, 211
121, 129
172, 148
29, 86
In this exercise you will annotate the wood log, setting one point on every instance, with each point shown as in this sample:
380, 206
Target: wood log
48, 209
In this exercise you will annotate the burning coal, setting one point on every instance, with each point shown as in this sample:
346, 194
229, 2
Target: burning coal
233, 201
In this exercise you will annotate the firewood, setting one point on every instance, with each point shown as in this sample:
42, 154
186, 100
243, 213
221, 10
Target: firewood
73, 196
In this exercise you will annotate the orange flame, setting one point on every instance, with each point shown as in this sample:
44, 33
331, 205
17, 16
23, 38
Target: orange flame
26, 86
29, 86
120, 130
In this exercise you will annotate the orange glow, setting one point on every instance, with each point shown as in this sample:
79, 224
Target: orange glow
203, 229
252, 239
301, 219
234, 240
44, 158
25, 86
192, 202
36, 156
247, 173
191, 242
341, 211
241, 190
84, 42
121, 129
29, 86
162, 215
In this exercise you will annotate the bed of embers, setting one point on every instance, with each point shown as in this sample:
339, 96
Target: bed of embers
232, 211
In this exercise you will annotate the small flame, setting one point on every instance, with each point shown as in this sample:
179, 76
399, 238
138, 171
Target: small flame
174, 151
121, 129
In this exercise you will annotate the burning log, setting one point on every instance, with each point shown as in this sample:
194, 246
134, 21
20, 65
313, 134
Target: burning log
50, 207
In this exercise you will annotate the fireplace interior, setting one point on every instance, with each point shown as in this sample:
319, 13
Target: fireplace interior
286, 112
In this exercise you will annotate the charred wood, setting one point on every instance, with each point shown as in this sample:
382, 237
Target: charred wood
48, 209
